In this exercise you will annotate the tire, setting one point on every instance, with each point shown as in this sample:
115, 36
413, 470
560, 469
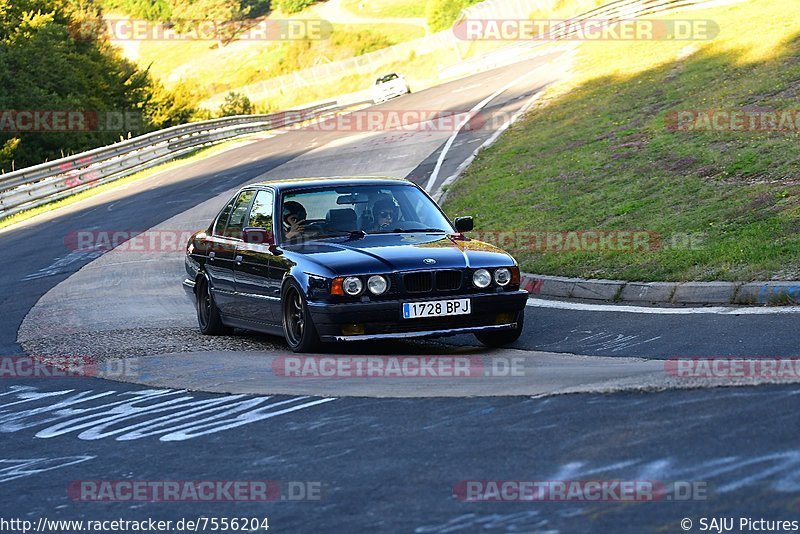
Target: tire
208, 317
298, 326
503, 337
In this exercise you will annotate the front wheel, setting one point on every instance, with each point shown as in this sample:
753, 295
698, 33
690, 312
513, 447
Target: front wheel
298, 326
208, 317
503, 337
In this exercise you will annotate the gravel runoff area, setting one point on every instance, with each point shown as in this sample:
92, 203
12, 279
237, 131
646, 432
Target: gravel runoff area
182, 358
140, 342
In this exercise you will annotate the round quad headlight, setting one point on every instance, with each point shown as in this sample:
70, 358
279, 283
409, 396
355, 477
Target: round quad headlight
377, 284
481, 278
502, 276
352, 285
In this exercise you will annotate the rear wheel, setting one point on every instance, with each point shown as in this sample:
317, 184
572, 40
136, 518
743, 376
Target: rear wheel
298, 326
208, 317
503, 337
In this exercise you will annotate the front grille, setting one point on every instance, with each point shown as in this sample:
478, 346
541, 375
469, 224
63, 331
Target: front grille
448, 280
418, 282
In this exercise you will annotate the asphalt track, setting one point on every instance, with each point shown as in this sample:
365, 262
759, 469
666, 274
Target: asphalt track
387, 464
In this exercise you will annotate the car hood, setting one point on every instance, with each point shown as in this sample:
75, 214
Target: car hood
401, 252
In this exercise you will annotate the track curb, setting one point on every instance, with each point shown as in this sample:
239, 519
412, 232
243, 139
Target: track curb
694, 293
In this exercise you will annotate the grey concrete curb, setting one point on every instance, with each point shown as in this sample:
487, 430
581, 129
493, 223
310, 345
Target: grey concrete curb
697, 293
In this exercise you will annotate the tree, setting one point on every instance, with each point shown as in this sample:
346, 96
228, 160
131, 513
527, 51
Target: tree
46, 66
236, 104
292, 6
441, 14
187, 16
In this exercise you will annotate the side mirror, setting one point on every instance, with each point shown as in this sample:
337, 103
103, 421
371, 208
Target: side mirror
258, 236
464, 224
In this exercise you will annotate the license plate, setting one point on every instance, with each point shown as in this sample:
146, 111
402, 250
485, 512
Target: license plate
436, 308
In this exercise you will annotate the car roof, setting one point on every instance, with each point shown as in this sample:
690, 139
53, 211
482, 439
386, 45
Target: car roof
332, 181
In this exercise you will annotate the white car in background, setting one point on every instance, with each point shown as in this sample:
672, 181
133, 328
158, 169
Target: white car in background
389, 86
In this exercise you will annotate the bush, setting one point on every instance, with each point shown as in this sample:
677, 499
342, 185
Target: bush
441, 14
236, 104
292, 6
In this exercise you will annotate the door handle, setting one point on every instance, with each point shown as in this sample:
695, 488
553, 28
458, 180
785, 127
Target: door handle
238, 260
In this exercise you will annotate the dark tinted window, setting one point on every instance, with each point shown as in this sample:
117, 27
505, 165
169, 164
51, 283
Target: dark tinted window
236, 222
222, 218
261, 212
387, 78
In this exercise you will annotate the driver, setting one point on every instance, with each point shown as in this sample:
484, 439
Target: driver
385, 213
294, 221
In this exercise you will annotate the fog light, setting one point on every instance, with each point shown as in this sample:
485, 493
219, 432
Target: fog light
353, 285
504, 318
353, 329
481, 278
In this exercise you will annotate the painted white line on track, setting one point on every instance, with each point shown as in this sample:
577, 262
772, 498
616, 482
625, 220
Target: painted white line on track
718, 310
479, 106
438, 194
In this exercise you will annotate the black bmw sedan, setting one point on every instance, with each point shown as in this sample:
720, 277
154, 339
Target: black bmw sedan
348, 259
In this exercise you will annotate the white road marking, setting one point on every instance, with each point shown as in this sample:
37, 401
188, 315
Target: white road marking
174, 415
437, 195
480, 105
718, 310
13, 468
59, 266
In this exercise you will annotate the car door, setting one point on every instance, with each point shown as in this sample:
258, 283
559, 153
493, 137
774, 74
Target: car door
222, 255
251, 271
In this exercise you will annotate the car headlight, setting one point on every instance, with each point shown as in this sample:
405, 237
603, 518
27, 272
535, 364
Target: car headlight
481, 278
502, 276
352, 285
377, 284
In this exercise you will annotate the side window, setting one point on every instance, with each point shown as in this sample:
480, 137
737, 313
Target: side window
261, 212
222, 218
236, 222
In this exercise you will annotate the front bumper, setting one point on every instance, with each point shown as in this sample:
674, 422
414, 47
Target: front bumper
383, 319
188, 286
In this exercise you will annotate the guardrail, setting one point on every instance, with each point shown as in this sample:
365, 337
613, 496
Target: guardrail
38, 185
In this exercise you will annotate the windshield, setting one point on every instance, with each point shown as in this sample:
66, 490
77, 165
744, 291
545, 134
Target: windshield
387, 78
371, 209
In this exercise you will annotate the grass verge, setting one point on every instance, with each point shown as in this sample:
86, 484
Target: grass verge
386, 8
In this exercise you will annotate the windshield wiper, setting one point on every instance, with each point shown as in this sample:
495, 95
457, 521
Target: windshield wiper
352, 234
